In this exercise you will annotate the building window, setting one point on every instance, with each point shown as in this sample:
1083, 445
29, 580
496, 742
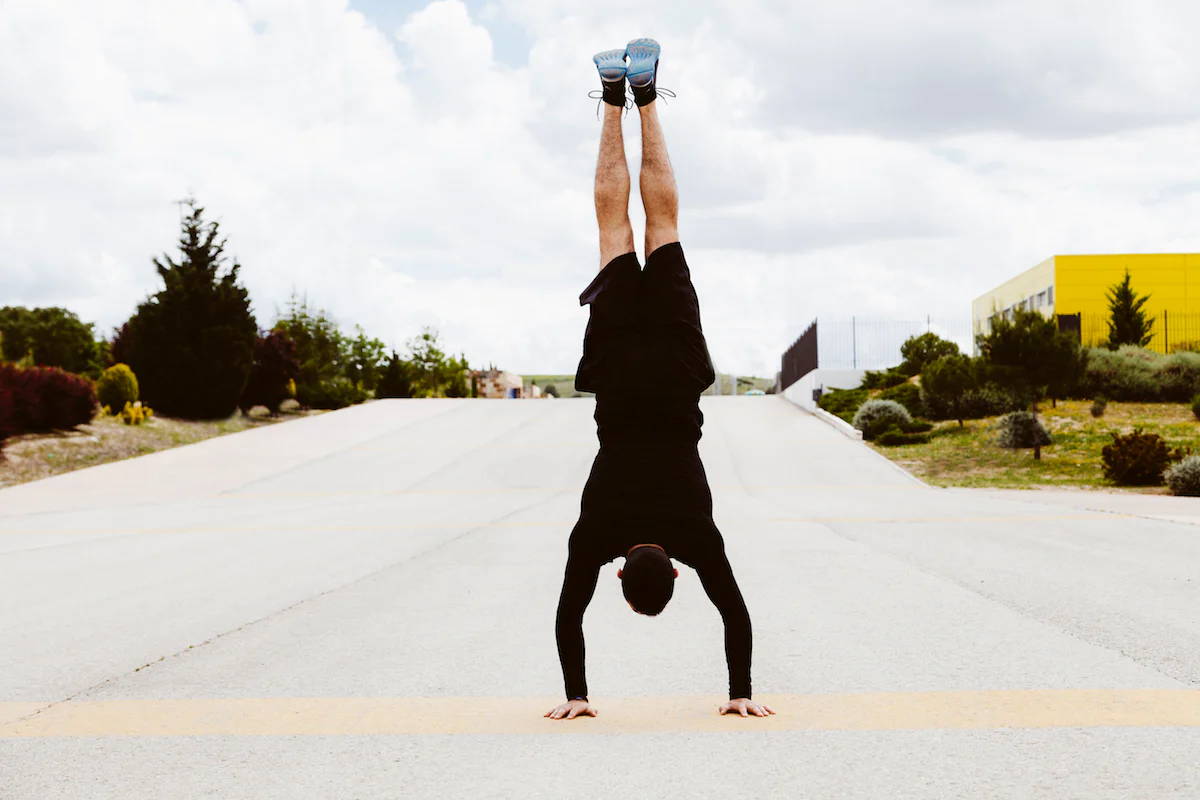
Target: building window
1050, 295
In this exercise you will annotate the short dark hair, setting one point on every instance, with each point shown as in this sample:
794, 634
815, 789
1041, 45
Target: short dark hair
648, 580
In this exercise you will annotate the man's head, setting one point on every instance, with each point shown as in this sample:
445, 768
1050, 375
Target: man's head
648, 578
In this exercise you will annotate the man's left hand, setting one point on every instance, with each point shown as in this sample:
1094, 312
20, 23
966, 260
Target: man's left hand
745, 707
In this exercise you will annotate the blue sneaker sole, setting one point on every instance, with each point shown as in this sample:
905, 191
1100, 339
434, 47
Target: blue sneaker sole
610, 64
643, 61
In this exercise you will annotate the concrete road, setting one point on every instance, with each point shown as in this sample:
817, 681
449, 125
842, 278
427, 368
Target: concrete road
361, 604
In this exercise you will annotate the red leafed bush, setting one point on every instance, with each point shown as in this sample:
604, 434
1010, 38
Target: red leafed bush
43, 399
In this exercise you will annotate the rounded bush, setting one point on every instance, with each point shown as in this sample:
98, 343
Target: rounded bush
1099, 404
1137, 458
41, 399
1178, 376
1184, 478
876, 416
1021, 429
117, 386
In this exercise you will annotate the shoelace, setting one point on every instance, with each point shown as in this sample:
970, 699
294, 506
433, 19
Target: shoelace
659, 93
599, 93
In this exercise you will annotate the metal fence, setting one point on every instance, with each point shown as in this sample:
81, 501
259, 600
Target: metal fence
800, 358
1170, 330
873, 343
863, 343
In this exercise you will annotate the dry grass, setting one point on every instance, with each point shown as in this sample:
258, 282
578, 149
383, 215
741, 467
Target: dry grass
34, 456
968, 456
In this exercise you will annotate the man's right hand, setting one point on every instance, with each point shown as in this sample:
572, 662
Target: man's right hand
572, 709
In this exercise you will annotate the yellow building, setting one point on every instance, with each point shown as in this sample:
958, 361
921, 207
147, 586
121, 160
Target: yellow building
1075, 289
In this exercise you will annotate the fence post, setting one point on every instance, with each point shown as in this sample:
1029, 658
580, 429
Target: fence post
1166, 338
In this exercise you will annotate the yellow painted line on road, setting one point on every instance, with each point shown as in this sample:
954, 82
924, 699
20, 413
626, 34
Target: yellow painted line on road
967, 518
356, 716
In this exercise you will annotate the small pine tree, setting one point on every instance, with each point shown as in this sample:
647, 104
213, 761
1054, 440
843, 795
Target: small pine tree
1127, 323
396, 379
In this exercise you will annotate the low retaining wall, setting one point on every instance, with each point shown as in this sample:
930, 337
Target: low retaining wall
801, 393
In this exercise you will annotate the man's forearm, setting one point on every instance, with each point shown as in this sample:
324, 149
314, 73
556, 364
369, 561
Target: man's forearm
579, 583
569, 634
722, 589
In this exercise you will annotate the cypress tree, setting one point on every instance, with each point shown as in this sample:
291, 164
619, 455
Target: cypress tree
1127, 323
192, 343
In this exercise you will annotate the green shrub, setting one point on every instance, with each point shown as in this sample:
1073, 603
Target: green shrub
1184, 478
975, 403
883, 379
842, 402
895, 436
918, 426
1128, 374
906, 394
922, 350
1099, 404
117, 386
1022, 430
1196, 406
1137, 458
1177, 376
876, 416
337, 392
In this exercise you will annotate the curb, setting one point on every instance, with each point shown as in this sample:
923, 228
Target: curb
850, 432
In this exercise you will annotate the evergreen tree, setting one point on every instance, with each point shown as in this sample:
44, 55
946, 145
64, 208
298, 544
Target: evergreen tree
396, 380
322, 352
456, 377
1030, 355
1127, 323
917, 351
429, 364
192, 343
945, 381
366, 359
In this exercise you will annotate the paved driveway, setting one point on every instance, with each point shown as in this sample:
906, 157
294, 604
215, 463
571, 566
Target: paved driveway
361, 605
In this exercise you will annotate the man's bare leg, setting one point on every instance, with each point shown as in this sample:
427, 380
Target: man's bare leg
660, 197
612, 189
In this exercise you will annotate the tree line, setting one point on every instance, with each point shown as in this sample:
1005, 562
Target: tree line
199, 352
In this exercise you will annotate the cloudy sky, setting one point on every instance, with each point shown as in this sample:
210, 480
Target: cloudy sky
410, 163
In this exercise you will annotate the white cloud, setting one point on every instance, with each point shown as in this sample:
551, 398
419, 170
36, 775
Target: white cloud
833, 159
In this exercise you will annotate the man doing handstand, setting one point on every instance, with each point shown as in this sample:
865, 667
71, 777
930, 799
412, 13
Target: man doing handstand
647, 497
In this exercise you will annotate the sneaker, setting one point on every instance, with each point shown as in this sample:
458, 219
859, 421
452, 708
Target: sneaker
643, 69
611, 66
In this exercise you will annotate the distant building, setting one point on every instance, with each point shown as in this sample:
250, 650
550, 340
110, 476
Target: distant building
497, 383
1073, 289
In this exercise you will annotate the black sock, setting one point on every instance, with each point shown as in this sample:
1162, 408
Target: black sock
614, 92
